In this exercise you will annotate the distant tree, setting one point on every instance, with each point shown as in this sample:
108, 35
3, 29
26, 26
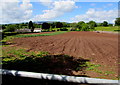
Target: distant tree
3, 27
105, 23
73, 26
45, 26
85, 27
99, 24
117, 22
93, 23
64, 24
10, 28
30, 25
59, 25
53, 25
110, 24
80, 24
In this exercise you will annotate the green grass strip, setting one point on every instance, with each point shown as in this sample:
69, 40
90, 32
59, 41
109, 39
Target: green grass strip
36, 35
31, 35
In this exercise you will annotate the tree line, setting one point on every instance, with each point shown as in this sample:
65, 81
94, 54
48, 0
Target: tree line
59, 26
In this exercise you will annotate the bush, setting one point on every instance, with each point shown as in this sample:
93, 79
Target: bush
73, 29
63, 29
85, 27
10, 28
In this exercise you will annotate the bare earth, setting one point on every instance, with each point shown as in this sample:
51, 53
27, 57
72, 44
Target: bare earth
99, 48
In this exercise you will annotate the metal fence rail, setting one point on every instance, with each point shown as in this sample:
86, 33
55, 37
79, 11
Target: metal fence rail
56, 77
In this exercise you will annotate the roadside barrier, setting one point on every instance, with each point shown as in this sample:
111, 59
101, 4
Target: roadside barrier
56, 77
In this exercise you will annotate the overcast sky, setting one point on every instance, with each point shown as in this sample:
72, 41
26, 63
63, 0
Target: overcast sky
60, 10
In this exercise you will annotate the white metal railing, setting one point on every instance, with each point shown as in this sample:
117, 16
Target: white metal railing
56, 77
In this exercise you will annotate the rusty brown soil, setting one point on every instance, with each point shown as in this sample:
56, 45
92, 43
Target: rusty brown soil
99, 48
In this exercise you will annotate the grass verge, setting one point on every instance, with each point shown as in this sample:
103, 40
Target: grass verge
112, 29
36, 35
7, 38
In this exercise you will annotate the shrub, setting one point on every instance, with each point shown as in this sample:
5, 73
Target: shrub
63, 29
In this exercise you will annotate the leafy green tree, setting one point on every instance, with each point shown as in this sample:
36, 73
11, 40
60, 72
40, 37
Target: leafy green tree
85, 27
73, 26
92, 25
45, 26
30, 25
59, 25
79, 24
105, 23
10, 28
64, 24
110, 24
3, 27
53, 25
117, 22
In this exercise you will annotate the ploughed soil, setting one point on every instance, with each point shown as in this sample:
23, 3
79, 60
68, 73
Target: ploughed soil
98, 48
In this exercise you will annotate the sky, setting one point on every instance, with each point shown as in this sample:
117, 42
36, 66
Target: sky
17, 11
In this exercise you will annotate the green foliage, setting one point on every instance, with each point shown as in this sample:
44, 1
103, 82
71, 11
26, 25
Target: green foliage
105, 23
14, 53
45, 26
117, 21
85, 27
3, 27
92, 25
73, 26
11, 28
91, 66
63, 29
114, 29
80, 25
53, 25
59, 25
30, 25
36, 35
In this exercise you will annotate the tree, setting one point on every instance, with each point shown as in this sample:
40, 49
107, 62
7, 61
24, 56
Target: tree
3, 27
117, 22
45, 26
30, 25
79, 24
110, 24
73, 26
10, 28
59, 25
105, 23
64, 24
85, 27
92, 25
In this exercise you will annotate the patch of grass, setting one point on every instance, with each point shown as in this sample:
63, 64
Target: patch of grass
36, 35
13, 53
91, 66
113, 29
94, 67
8, 38
108, 72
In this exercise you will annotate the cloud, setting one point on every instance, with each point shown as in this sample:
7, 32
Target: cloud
58, 9
13, 12
98, 16
46, 2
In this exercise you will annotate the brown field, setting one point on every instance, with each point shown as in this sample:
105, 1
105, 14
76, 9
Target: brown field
98, 48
